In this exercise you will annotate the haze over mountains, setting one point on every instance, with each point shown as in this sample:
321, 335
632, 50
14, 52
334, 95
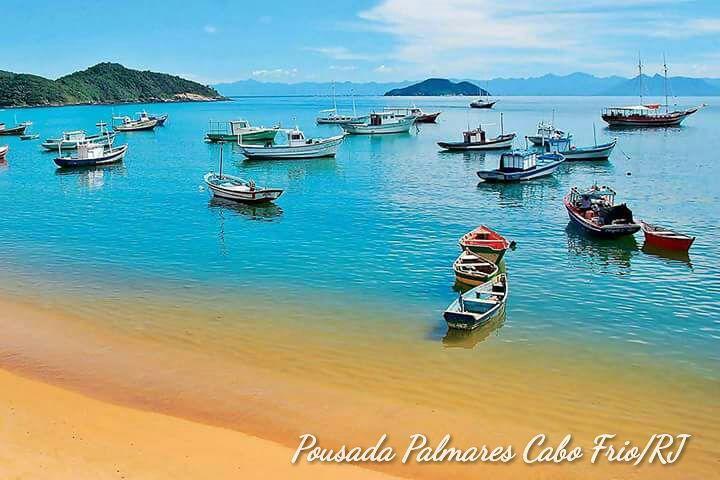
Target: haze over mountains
575, 84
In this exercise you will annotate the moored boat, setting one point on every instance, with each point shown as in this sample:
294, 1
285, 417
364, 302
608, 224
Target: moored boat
485, 243
518, 166
17, 130
478, 305
91, 155
30, 136
665, 238
647, 115
161, 119
142, 123
3, 151
472, 269
297, 147
594, 210
334, 117
239, 131
71, 140
548, 134
418, 113
381, 123
481, 103
477, 139
593, 152
234, 188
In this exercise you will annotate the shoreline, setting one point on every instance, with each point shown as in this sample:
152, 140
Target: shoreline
131, 102
278, 400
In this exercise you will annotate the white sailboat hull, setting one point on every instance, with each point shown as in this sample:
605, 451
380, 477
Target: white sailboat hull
402, 126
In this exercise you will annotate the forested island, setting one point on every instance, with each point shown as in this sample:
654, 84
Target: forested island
437, 87
100, 84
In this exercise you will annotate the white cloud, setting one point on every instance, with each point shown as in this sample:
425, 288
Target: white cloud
340, 53
275, 73
343, 68
210, 29
383, 69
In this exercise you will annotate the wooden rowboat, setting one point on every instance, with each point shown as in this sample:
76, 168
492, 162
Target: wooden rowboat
471, 269
479, 305
485, 243
665, 238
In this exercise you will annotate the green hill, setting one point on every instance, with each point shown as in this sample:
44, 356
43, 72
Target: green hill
437, 87
102, 83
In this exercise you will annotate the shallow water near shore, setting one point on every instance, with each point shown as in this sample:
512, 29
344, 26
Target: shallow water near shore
344, 280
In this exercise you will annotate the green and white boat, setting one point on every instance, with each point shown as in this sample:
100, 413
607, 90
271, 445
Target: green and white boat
240, 131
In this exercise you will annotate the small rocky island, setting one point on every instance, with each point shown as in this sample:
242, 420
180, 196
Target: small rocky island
100, 84
438, 87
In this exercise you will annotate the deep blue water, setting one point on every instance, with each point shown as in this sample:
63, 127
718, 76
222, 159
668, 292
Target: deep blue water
379, 224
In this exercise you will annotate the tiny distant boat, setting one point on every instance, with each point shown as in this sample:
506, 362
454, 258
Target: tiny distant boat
547, 133
142, 123
92, 155
297, 147
471, 269
519, 166
665, 238
647, 115
594, 210
381, 123
485, 243
482, 103
30, 136
3, 151
479, 305
17, 130
239, 131
477, 139
237, 189
420, 116
71, 140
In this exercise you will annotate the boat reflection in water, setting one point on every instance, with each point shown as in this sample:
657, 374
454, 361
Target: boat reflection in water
455, 338
679, 256
601, 252
261, 211
92, 178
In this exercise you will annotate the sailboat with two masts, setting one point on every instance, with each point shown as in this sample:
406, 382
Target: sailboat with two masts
332, 116
647, 115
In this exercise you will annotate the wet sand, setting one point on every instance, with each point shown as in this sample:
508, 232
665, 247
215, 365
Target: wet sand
344, 389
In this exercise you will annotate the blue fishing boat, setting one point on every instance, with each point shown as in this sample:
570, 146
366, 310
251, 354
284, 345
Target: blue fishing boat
521, 165
92, 155
479, 305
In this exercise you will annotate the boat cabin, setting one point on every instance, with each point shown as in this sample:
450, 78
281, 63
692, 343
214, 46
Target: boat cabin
296, 137
475, 136
404, 112
384, 118
89, 151
597, 205
517, 161
238, 127
74, 136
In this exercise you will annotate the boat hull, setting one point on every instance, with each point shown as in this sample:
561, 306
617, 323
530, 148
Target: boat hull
259, 136
114, 156
3, 151
500, 143
519, 176
366, 129
672, 119
14, 131
137, 126
427, 117
260, 195
104, 139
470, 321
326, 148
604, 231
667, 240
483, 104
601, 152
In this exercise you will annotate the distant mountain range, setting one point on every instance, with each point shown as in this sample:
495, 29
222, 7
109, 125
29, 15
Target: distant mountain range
437, 87
575, 84
102, 83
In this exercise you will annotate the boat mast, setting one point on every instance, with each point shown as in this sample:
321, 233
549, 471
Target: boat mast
594, 134
352, 93
640, 78
502, 127
667, 109
222, 147
334, 99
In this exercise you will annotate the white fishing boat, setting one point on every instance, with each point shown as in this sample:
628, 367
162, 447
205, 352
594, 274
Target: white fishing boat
574, 153
479, 305
519, 166
143, 122
297, 147
71, 140
381, 123
548, 134
237, 189
334, 117
92, 155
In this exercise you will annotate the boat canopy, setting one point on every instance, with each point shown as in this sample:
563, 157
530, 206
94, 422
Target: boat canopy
603, 193
517, 160
237, 126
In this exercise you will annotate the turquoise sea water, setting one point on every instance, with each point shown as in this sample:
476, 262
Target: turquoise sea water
376, 228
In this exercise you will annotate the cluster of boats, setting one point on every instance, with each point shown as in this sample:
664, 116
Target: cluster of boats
78, 149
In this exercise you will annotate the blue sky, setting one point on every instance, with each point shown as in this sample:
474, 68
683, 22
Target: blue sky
363, 40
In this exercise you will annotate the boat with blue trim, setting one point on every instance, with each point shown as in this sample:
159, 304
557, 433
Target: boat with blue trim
478, 305
521, 165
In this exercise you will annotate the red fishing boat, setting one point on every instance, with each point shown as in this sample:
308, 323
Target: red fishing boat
662, 237
485, 243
